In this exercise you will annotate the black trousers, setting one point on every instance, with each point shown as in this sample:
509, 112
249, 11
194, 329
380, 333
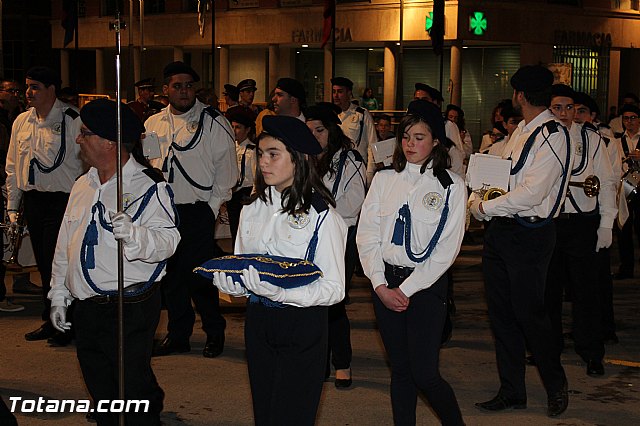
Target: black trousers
575, 264
515, 262
340, 351
180, 285
412, 342
96, 342
43, 212
605, 286
625, 238
234, 207
286, 356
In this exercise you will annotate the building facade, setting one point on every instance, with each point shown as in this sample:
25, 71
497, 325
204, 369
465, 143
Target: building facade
382, 44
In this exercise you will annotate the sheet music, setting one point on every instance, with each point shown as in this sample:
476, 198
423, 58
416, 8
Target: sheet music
151, 146
383, 151
488, 171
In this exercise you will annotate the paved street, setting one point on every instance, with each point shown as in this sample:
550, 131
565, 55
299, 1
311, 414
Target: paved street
201, 391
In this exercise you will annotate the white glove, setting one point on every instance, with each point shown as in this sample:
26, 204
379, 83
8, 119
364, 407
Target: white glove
58, 318
251, 280
226, 285
474, 208
604, 238
122, 226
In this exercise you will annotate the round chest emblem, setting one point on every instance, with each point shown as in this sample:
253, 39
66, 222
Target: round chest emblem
298, 221
432, 200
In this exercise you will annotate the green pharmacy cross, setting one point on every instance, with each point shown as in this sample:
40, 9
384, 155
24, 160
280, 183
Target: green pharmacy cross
429, 23
477, 23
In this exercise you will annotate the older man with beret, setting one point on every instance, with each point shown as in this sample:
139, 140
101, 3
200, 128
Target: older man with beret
86, 258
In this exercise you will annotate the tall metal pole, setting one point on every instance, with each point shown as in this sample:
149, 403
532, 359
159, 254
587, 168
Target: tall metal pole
399, 60
333, 39
141, 38
131, 96
213, 45
117, 26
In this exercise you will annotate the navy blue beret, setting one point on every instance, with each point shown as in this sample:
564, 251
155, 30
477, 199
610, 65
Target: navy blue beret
532, 78
342, 81
280, 271
179, 67
326, 112
293, 88
562, 90
44, 75
99, 116
583, 99
292, 132
630, 108
431, 114
434, 93
242, 117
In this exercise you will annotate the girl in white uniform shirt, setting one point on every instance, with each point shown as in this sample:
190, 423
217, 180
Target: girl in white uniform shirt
410, 232
286, 330
344, 174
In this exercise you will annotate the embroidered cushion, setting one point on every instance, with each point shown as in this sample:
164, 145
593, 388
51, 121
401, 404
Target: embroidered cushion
285, 272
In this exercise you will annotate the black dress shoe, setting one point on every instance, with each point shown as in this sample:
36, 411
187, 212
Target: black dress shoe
214, 346
595, 368
45, 331
558, 402
168, 346
500, 403
343, 383
59, 340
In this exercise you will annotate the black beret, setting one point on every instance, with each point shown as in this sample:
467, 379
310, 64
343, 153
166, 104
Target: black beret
99, 116
180, 67
44, 75
431, 114
242, 117
630, 108
293, 88
434, 93
145, 82
248, 84
326, 112
342, 81
532, 78
587, 101
631, 96
509, 112
232, 91
292, 132
562, 90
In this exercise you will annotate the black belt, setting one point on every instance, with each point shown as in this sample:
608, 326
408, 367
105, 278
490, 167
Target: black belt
530, 219
131, 294
397, 271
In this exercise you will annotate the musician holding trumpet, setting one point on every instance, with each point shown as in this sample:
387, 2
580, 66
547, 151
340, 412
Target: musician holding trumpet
583, 227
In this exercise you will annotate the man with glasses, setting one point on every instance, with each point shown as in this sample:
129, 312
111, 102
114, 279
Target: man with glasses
10, 99
629, 141
198, 158
42, 165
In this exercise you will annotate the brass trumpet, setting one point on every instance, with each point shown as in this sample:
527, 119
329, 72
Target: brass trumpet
591, 185
487, 193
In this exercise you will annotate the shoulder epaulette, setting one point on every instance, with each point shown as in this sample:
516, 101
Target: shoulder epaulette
72, 113
318, 202
360, 110
618, 135
552, 126
251, 146
389, 167
213, 112
589, 126
444, 179
155, 174
603, 126
357, 155
606, 140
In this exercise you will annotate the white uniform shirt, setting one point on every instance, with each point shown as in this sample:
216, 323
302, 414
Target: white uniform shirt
264, 229
155, 235
249, 154
598, 164
426, 198
616, 125
534, 189
40, 139
351, 122
211, 162
453, 132
351, 189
